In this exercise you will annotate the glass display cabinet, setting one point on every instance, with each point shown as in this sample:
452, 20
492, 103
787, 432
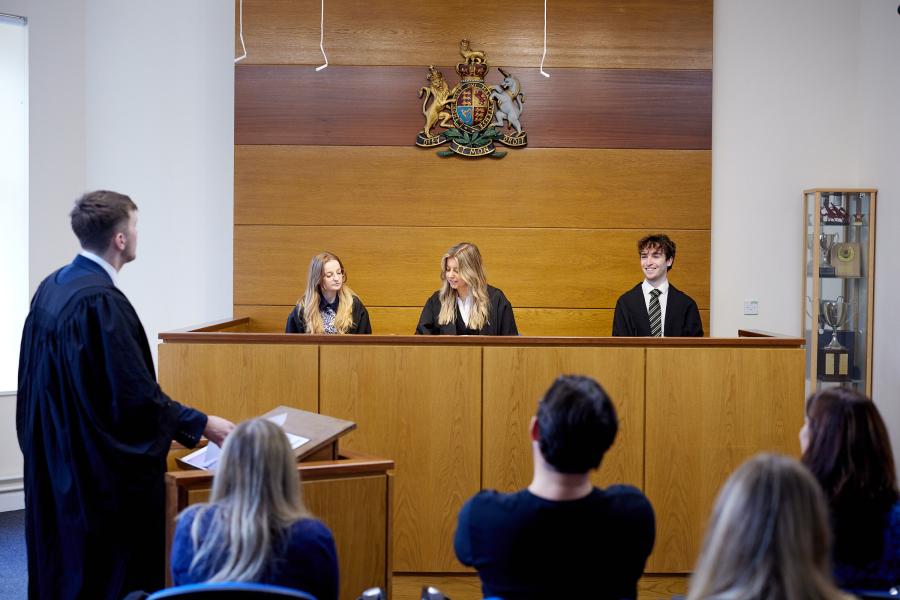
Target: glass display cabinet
838, 292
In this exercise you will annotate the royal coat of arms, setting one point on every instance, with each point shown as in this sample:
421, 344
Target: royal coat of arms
473, 114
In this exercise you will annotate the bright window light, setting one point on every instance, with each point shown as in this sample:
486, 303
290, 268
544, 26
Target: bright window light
13, 193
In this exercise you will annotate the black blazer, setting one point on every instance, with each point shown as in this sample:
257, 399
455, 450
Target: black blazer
501, 320
296, 324
632, 320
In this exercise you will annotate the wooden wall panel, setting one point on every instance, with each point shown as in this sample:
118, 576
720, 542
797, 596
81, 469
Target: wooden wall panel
537, 268
516, 378
360, 536
609, 189
429, 424
695, 441
203, 376
643, 34
578, 108
402, 320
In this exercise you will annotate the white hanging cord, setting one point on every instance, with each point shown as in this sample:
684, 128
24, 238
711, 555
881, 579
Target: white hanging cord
322, 38
545, 74
243, 47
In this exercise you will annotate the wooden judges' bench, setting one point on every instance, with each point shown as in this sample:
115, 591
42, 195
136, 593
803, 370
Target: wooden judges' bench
453, 414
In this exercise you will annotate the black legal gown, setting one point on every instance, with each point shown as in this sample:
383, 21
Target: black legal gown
501, 320
94, 428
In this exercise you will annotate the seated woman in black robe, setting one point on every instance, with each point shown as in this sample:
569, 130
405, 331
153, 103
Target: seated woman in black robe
328, 305
255, 527
466, 304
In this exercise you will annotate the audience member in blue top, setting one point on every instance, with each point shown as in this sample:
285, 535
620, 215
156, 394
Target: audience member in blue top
768, 537
255, 527
846, 446
561, 537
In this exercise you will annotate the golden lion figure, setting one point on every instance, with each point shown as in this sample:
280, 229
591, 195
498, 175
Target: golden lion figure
471, 56
441, 95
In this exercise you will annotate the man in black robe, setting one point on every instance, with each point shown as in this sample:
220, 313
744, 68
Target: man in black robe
93, 424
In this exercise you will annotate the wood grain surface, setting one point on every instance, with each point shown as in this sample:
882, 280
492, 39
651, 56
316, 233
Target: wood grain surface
402, 320
708, 410
421, 407
356, 512
400, 266
515, 379
581, 33
609, 189
238, 381
378, 106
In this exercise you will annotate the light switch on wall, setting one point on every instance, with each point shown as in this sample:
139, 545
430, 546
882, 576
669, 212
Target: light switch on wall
751, 307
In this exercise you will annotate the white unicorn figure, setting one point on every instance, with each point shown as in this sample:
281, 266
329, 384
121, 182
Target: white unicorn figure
510, 101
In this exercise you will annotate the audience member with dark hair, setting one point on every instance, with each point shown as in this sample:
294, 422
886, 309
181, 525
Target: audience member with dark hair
561, 537
768, 538
846, 446
255, 527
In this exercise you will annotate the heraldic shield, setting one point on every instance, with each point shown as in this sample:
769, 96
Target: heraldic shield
473, 113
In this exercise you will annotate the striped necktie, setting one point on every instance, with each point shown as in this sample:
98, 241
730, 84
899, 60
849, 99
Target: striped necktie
655, 314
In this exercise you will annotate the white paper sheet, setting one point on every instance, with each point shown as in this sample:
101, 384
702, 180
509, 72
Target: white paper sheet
207, 458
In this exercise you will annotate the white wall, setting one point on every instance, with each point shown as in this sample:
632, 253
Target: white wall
135, 97
56, 169
805, 94
879, 88
785, 118
159, 79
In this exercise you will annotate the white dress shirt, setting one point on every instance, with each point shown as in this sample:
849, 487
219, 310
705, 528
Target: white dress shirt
110, 270
465, 307
664, 288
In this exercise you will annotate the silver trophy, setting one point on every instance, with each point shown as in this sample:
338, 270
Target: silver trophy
826, 242
835, 313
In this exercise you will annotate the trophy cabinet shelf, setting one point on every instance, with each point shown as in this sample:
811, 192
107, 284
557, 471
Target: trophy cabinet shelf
838, 286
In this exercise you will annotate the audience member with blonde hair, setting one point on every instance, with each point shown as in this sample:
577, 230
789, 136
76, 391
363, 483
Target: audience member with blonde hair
466, 304
768, 538
255, 527
846, 446
328, 305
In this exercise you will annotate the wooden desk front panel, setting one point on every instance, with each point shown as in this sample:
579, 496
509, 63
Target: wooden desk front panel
356, 511
708, 410
240, 381
422, 408
514, 381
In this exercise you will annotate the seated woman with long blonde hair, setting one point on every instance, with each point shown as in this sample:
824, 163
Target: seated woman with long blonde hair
328, 305
768, 538
255, 527
466, 304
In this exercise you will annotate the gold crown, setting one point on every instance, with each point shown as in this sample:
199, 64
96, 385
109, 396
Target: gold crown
472, 70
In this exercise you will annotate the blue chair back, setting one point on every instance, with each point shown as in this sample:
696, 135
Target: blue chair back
236, 590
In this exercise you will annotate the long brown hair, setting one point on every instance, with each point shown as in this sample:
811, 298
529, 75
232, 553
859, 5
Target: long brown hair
768, 538
471, 271
308, 305
849, 453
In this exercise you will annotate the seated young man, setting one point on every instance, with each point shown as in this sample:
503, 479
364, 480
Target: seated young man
561, 537
655, 307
